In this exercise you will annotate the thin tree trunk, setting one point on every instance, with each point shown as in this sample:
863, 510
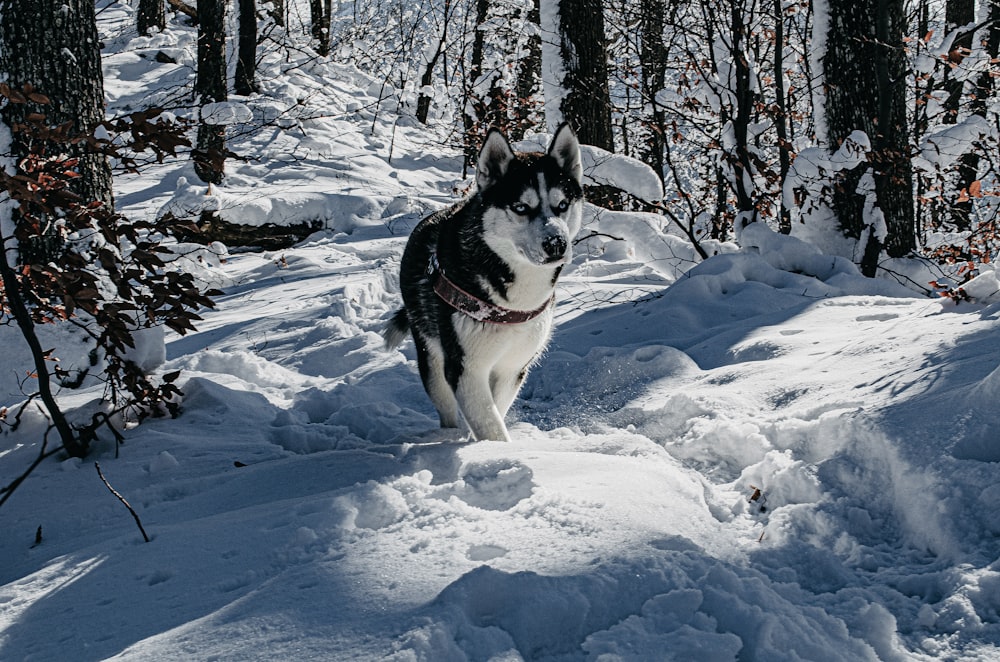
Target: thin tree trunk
210, 86
423, 100
529, 74
246, 60
319, 14
985, 85
653, 60
781, 115
12, 297
474, 111
151, 17
742, 170
958, 15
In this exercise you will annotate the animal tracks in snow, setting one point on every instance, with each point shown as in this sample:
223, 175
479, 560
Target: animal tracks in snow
492, 485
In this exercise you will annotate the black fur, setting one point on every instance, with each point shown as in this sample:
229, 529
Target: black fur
456, 235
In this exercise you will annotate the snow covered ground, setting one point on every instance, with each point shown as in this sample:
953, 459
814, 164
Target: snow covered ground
305, 506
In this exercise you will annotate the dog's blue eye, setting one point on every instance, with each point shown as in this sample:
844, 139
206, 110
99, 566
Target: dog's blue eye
519, 208
562, 206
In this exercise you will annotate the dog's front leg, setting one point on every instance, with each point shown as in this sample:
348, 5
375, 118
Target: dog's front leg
475, 399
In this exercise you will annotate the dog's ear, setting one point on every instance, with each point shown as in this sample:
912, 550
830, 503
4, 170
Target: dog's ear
565, 149
494, 159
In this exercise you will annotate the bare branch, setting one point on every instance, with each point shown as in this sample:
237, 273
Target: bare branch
104, 480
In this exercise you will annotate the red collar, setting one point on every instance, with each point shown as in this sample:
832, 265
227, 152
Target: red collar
474, 307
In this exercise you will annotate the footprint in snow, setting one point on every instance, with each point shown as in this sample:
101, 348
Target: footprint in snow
480, 553
493, 485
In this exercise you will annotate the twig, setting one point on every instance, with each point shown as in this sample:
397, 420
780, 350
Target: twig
122, 499
7, 490
595, 233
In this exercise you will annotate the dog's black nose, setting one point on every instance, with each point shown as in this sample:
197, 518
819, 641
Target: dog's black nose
554, 246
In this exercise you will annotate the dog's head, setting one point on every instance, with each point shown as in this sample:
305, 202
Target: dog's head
532, 203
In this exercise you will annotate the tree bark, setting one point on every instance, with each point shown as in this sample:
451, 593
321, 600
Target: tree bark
424, 101
529, 75
866, 35
653, 60
246, 58
151, 14
474, 110
959, 13
210, 86
781, 115
53, 46
744, 98
319, 14
584, 98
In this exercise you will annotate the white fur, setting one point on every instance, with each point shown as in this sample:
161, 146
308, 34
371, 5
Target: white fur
438, 388
496, 356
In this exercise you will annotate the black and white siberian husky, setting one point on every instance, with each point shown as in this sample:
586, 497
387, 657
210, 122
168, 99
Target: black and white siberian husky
478, 280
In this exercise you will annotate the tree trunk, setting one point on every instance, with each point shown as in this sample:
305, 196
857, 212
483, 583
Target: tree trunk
424, 101
53, 46
866, 35
985, 86
474, 111
151, 14
210, 86
277, 12
529, 74
653, 60
319, 14
742, 171
576, 70
958, 14
781, 116
246, 57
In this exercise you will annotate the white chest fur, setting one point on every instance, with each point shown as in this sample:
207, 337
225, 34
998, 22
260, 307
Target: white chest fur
502, 346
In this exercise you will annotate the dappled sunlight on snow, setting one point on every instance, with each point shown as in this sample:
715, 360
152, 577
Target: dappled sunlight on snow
760, 456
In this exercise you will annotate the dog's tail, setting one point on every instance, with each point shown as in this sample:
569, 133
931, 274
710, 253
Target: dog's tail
396, 330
